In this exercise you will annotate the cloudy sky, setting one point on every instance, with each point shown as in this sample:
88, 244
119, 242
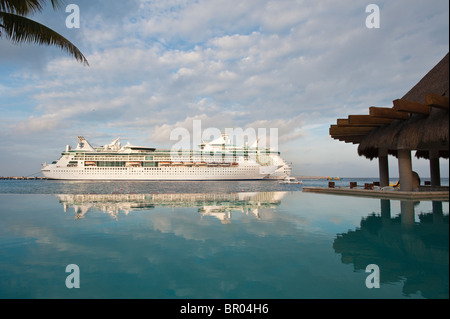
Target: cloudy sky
158, 65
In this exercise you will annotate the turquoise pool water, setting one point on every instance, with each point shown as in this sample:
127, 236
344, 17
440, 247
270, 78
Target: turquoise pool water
249, 245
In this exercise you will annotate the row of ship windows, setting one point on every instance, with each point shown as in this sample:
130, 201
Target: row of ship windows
183, 159
151, 173
178, 170
163, 158
183, 169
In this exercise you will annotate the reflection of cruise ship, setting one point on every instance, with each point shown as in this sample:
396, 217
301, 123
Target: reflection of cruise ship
215, 160
209, 204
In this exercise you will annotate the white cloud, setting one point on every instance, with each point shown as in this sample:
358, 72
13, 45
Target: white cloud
157, 65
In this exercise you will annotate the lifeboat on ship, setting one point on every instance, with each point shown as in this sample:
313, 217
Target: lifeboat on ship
200, 164
133, 164
213, 164
165, 163
89, 163
177, 163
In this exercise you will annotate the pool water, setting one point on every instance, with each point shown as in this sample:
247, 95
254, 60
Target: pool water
221, 244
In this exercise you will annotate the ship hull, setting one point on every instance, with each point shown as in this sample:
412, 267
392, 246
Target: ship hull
157, 174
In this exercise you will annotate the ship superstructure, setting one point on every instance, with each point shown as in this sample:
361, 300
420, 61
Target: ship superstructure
214, 160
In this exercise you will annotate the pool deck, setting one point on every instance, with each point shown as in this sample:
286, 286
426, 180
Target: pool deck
422, 194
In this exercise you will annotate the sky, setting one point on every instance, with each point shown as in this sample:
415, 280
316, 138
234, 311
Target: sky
155, 66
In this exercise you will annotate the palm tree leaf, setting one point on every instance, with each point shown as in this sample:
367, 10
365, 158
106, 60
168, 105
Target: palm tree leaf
22, 7
26, 7
21, 29
57, 3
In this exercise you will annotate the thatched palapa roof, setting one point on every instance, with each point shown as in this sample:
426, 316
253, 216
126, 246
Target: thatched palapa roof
426, 127
435, 81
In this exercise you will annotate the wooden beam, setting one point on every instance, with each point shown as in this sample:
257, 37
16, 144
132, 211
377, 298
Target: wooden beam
345, 123
342, 122
368, 120
348, 137
436, 100
411, 107
359, 125
355, 139
387, 113
352, 139
336, 130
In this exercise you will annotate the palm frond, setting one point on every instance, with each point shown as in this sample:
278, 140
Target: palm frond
20, 29
21, 7
26, 7
56, 4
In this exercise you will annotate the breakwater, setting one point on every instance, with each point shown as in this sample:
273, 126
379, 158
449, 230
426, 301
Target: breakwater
22, 178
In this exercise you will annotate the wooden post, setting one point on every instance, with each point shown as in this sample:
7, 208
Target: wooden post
385, 211
438, 216
407, 213
435, 173
405, 170
383, 166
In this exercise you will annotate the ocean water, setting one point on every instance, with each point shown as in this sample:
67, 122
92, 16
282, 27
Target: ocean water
208, 240
107, 187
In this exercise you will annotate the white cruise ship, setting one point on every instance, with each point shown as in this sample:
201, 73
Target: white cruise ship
215, 160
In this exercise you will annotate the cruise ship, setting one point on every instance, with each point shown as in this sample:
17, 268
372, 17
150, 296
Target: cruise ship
218, 159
